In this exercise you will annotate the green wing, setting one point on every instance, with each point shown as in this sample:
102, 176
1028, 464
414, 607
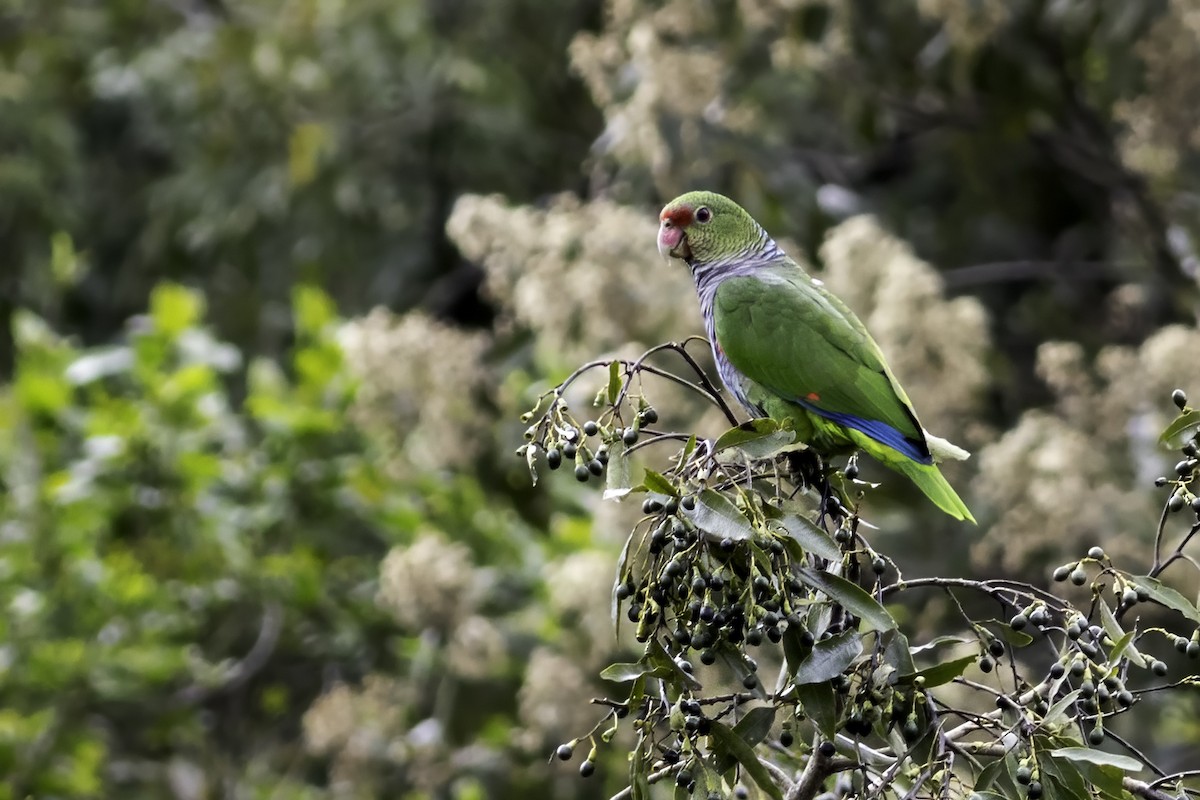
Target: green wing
790, 335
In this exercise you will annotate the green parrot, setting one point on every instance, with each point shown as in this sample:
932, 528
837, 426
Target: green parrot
789, 350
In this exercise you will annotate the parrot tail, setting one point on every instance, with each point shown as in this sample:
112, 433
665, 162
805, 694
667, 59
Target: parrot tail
929, 480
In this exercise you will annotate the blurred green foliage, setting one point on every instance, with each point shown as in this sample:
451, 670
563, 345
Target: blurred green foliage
222, 506
163, 549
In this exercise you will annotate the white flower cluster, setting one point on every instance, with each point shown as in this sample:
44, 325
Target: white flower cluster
1082, 472
430, 584
584, 277
421, 382
1163, 123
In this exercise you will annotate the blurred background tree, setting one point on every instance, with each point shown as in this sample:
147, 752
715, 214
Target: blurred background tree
221, 503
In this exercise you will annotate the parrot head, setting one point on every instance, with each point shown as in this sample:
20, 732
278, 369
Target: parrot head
699, 227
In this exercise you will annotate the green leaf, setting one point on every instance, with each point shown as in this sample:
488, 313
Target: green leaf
735, 662
656, 482
1105, 779
758, 438
617, 480
1124, 641
1015, 638
719, 518
938, 642
990, 774
1066, 774
756, 725
622, 565
898, 654
614, 381
728, 742
794, 650
1098, 757
942, 673
805, 531
851, 596
312, 310
829, 658
1058, 711
175, 308
1165, 595
820, 703
623, 673
1184, 427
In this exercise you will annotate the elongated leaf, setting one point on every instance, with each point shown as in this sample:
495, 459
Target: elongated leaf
820, 704
852, 597
794, 649
617, 480
623, 673
811, 538
622, 566
829, 658
1098, 757
1106, 780
1183, 427
898, 654
640, 785
655, 482
717, 516
1015, 638
1124, 641
614, 381
1066, 775
1057, 713
729, 742
755, 726
735, 663
938, 642
758, 438
942, 673
1165, 595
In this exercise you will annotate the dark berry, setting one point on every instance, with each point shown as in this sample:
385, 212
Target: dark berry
1179, 399
1158, 668
1018, 622
649, 415
1096, 553
582, 473
629, 436
554, 458
564, 752
591, 428
587, 769
996, 648
827, 749
985, 664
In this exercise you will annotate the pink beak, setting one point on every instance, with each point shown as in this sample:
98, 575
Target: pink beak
672, 232
669, 238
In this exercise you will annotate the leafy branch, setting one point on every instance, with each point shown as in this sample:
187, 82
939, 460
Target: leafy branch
751, 549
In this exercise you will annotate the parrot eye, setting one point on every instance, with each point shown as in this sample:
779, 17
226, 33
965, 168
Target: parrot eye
703, 215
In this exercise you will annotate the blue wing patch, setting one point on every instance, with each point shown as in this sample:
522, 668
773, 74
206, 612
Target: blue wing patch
879, 431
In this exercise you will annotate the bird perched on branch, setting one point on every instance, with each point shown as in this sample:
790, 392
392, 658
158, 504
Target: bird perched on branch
790, 350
